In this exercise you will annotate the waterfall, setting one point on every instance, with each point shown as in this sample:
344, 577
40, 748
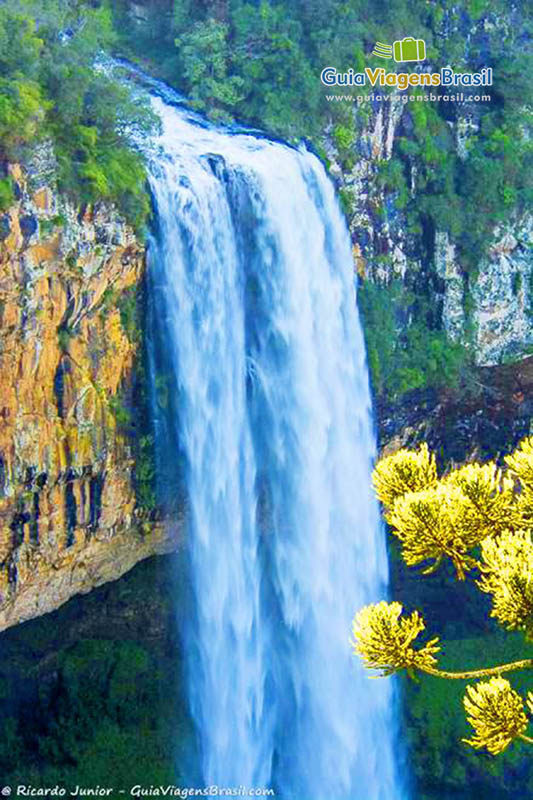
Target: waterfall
267, 404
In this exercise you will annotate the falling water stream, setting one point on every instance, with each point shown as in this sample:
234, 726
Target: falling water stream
253, 294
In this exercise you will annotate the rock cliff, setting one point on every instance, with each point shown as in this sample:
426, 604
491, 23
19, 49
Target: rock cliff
69, 517
486, 309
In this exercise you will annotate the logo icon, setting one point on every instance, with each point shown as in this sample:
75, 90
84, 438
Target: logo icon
407, 49
382, 50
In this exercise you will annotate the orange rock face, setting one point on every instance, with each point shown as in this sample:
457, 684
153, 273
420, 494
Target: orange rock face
68, 516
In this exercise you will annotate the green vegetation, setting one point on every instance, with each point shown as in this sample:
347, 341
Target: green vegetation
260, 62
48, 226
127, 303
205, 64
403, 357
131, 408
6, 193
50, 89
101, 702
434, 727
477, 520
465, 197
121, 410
145, 472
64, 335
131, 305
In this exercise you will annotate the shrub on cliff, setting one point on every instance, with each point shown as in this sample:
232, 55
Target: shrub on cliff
50, 88
22, 101
6, 193
479, 519
403, 357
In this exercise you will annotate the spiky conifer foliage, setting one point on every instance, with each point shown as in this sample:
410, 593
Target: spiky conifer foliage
405, 471
480, 517
384, 638
507, 575
496, 712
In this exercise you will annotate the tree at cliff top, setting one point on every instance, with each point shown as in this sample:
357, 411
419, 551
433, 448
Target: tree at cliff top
480, 519
49, 89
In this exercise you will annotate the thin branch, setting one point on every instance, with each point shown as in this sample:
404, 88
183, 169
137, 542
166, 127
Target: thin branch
479, 673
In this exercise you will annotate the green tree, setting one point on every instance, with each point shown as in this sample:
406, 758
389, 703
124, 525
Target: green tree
479, 517
50, 88
406, 349
280, 87
22, 102
205, 58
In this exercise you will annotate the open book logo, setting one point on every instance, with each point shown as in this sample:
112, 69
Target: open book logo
407, 49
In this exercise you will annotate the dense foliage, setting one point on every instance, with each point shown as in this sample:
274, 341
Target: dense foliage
478, 519
49, 89
260, 61
93, 693
405, 348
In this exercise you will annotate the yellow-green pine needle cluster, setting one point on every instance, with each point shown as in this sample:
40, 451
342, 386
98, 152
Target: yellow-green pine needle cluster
507, 575
405, 471
429, 525
384, 639
496, 712
520, 464
447, 517
488, 506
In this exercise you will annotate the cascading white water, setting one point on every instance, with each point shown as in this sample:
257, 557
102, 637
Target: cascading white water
253, 291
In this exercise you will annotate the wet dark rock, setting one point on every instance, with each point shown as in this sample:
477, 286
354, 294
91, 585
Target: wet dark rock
5, 227
485, 419
28, 225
